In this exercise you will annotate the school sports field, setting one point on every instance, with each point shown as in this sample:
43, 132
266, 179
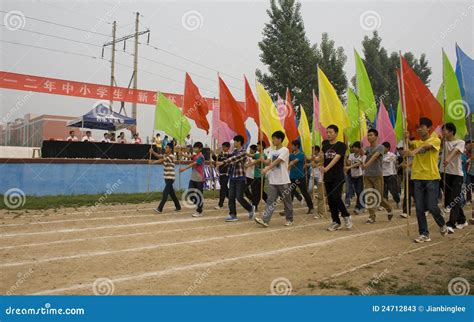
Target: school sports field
129, 249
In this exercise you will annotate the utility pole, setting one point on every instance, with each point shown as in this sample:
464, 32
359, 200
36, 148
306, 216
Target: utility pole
123, 39
135, 66
112, 69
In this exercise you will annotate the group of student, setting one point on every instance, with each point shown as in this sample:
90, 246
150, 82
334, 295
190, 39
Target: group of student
371, 169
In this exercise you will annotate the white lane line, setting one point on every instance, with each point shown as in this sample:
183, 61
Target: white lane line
172, 270
149, 247
380, 260
72, 230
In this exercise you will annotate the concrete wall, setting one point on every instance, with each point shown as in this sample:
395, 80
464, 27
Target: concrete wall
15, 152
43, 179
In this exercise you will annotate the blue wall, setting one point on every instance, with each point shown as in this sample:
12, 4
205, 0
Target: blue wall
43, 179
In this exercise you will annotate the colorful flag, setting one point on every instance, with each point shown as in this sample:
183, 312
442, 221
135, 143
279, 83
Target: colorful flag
385, 129
419, 101
399, 123
251, 105
331, 109
194, 105
304, 133
449, 96
290, 119
364, 89
169, 119
269, 119
319, 131
358, 123
231, 111
220, 130
465, 75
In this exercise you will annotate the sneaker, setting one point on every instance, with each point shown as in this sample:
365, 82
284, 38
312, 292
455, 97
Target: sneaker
252, 213
231, 219
158, 211
461, 226
197, 214
289, 223
334, 226
358, 211
370, 221
261, 222
443, 230
302, 202
390, 216
347, 222
450, 230
427, 213
404, 215
422, 239
317, 216
310, 211
218, 207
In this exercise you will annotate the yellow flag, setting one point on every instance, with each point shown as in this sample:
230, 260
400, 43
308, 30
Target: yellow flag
331, 110
269, 119
305, 134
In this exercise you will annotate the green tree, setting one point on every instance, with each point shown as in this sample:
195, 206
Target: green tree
290, 58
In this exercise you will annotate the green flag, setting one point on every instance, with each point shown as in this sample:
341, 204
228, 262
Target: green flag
169, 119
364, 90
356, 128
399, 123
454, 107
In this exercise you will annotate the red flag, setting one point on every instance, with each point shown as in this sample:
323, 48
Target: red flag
230, 110
290, 120
419, 101
194, 105
251, 109
251, 105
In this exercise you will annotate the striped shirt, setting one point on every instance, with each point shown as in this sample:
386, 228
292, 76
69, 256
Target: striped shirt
169, 167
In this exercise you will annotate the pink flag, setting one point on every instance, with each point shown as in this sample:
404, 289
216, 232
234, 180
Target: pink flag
281, 108
385, 129
220, 130
318, 127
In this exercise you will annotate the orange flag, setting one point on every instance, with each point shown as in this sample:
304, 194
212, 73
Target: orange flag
419, 101
290, 120
231, 111
194, 105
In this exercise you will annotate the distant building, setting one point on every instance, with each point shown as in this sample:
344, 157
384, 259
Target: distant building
32, 130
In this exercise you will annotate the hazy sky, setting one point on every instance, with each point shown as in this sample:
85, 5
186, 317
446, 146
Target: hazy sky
221, 35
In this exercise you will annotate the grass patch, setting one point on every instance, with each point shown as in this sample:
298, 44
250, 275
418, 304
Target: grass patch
327, 285
74, 201
412, 289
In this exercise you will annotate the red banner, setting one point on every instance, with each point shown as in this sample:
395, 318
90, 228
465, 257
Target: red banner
56, 86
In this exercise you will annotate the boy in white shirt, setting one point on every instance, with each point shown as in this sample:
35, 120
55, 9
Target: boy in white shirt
279, 180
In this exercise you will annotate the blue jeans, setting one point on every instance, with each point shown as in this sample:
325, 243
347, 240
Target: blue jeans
349, 188
426, 196
236, 192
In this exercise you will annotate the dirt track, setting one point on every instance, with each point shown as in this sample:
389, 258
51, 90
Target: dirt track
131, 250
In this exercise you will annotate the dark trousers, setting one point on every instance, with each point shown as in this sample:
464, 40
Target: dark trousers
257, 191
358, 183
169, 191
248, 188
301, 184
453, 198
390, 185
426, 196
334, 194
197, 200
236, 192
224, 192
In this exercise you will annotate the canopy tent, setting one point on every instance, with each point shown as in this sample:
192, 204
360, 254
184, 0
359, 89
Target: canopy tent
102, 117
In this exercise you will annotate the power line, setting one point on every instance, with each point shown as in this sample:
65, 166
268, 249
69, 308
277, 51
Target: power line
61, 25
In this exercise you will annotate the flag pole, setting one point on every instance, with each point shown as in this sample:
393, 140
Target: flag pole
401, 89
321, 150
444, 120
260, 135
358, 107
469, 123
